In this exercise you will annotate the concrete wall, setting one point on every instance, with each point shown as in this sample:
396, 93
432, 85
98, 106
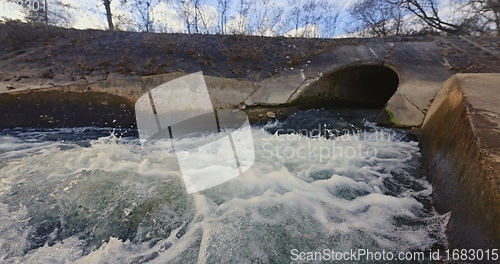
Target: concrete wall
419, 65
107, 103
461, 151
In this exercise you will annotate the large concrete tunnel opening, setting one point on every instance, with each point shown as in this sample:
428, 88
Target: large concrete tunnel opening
356, 86
366, 85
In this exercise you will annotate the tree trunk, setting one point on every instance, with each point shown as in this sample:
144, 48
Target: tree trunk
107, 5
497, 21
46, 16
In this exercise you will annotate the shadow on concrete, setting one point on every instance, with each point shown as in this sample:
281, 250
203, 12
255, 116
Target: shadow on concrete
51, 108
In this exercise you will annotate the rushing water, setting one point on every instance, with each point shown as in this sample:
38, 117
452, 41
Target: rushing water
322, 179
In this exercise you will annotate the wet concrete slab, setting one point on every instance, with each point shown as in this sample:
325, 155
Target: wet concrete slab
461, 151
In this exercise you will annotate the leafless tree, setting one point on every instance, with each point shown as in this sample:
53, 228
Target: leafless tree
294, 14
206, 19
310, 15
263, 17
330, 18
191, 12
243, 9
377, 18
186, 13
223, 8
428, 12
486, 15
197, 15
473, 16
304, 16
109, 16
142, 12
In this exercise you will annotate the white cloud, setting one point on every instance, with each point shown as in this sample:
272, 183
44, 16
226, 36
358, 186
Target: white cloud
308, 31
236, 25
166, 19
83, 16
210, 17
267, 32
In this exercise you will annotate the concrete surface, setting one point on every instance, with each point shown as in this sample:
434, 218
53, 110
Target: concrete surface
461, 151
421, 70
104, 103
419, 65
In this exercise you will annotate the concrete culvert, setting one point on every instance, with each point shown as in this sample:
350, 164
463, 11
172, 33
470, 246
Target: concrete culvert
355, 86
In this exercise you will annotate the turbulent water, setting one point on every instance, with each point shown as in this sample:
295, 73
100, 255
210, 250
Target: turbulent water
322, 179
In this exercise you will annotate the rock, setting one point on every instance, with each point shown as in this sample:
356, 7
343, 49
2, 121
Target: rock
271, 114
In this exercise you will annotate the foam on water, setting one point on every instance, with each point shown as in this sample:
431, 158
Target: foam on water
112, 201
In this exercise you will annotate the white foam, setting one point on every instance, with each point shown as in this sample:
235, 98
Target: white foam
282, 202
13, 232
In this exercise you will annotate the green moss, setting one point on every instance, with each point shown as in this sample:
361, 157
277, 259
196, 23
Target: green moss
392, 118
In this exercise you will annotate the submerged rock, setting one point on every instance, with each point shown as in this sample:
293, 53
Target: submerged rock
271, 114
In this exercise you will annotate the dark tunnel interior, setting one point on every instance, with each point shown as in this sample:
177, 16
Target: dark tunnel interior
365, 85
358, 86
